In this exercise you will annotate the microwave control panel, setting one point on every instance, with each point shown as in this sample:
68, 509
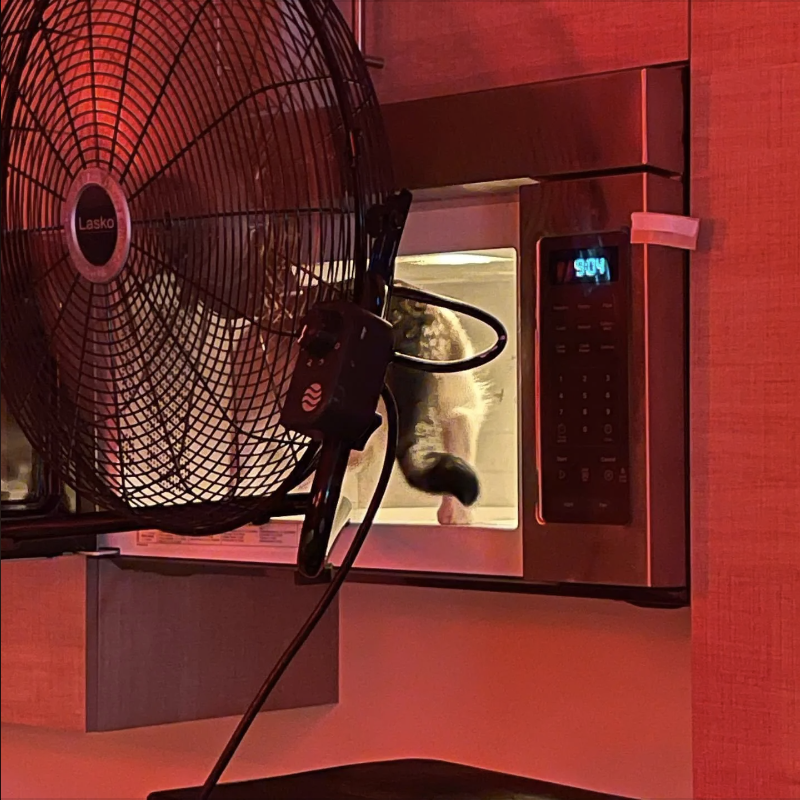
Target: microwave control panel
583, 287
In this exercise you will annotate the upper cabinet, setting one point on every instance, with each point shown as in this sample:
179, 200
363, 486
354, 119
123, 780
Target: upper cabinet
440, 47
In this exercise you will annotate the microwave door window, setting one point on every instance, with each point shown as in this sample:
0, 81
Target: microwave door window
17, 462
460, 426
28, 486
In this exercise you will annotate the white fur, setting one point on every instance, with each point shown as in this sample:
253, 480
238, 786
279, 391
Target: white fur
462, 409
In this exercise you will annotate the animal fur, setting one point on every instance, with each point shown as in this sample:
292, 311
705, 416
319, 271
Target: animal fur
441, 414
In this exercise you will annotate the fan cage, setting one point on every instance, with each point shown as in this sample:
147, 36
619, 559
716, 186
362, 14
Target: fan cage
243, 145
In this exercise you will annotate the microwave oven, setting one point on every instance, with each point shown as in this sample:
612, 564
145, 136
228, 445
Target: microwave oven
582, 454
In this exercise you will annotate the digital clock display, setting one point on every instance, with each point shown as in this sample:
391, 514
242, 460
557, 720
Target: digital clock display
593, 265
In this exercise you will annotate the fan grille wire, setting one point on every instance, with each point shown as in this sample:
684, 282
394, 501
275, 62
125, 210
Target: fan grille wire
219, 120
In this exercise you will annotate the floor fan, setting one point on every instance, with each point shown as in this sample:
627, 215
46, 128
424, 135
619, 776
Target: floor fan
199, 228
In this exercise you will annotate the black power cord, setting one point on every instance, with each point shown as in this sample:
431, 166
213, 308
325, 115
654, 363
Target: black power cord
348, 561
319, 610
463, 364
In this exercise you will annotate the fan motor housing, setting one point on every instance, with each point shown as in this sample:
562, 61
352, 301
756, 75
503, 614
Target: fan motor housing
345, 352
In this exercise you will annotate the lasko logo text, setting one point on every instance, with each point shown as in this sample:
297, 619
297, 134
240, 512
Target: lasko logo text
97, 224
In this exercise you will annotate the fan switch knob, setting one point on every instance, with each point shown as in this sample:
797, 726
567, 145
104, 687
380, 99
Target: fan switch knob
321, 335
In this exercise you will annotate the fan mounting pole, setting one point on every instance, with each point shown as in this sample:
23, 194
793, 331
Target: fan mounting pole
345, 351
385, 224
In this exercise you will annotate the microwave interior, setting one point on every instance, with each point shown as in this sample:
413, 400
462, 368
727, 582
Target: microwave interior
488, 279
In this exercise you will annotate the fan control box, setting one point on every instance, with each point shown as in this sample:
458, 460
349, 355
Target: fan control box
345, 351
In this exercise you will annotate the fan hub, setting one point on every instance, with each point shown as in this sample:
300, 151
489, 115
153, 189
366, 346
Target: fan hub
97, 225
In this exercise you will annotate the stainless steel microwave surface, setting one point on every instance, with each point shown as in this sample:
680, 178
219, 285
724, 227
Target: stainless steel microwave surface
603, 386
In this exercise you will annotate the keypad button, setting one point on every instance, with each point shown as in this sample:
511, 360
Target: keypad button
569, 508
583, 393
561, 469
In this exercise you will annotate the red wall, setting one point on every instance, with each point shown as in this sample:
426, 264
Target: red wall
437, 47
745, 295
